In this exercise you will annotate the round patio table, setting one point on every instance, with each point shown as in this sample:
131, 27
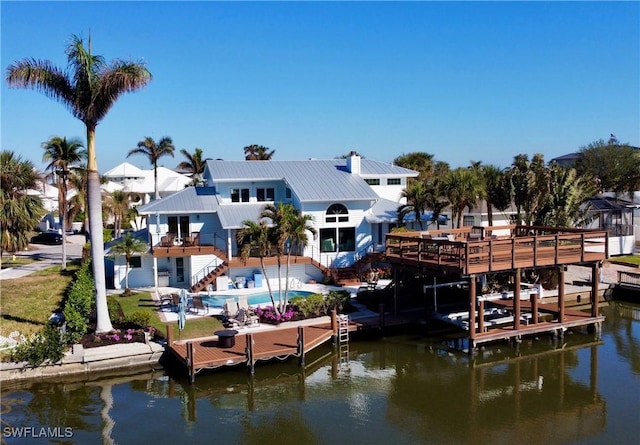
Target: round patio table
226, 338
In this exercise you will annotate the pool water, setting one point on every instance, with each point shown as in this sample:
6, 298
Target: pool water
253, 299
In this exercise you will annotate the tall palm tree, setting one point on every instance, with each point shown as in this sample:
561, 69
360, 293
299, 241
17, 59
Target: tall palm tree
153, 151
463, 187
280, 215
299, 225
418, 161
62, 154
194, 165
497, 189
258, 153
88, 88
128, 245
256, 236
435, 200
416, 195
21, 212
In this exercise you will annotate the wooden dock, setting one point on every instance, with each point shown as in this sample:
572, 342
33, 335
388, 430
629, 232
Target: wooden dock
249, 347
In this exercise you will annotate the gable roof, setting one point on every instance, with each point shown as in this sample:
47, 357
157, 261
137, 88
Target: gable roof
311, 180
125, 170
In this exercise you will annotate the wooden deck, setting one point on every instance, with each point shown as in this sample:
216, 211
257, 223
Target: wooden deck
475, 250
206, 353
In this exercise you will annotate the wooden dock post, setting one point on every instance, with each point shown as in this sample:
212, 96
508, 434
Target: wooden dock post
534, 308
561, 294
595, 281
334, 326
301, 345
516, 300
169, 334
481, 316
249, 350
191, 363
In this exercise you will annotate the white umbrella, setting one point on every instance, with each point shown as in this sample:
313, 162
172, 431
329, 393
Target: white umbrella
182, 309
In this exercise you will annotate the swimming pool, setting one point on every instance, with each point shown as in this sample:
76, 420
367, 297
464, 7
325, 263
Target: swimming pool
253, 299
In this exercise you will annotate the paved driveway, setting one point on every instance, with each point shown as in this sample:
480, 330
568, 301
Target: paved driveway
47, 256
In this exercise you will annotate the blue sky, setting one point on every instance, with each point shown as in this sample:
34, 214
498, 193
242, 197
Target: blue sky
461, 80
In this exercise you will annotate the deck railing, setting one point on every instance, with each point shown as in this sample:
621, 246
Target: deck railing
467, 251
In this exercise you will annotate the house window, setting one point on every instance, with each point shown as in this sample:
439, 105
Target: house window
468, 220
265, 194
179, 226
239, 195
180, 270
372, 181
347, 239
287, 193
328, 240
337, 213
394, 181
135, 262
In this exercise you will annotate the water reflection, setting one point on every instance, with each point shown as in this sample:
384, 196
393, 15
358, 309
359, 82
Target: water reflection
405, 389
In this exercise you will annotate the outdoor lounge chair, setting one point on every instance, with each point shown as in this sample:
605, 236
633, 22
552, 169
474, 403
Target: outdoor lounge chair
242, 318
198, 305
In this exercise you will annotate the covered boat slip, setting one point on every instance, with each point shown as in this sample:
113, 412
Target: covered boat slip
462, 255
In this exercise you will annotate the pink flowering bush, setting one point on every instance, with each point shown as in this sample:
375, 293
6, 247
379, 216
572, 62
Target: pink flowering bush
268, 314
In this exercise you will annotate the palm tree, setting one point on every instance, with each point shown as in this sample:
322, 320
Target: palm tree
299, 225
434, 200
117, 203
88, 88
258, 153
62, 155
78, 203
21, 212
255, 236
127, 246
194, 165
280, 215
154, 151
463, 187
497, 189
418, 161
416, 195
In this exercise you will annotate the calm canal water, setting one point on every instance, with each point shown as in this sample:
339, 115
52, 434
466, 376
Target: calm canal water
401, 389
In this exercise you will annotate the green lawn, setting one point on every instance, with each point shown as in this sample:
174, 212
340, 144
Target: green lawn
142, 301
8, 261
629, 259
28, 302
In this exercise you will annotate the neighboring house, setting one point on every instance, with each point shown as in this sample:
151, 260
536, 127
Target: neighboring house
619, 217
141, 182
140, 266
353, 203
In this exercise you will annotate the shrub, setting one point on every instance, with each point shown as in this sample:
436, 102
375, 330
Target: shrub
41, 347
79, 304
269, 315
116, 314
139, 319
337, 299
312, 306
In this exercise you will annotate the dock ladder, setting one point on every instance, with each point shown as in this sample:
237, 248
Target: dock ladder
343, 339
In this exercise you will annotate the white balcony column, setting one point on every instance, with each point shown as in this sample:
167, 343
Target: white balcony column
229, 246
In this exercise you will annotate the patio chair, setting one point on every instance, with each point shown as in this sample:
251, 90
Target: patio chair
252, 318
167, 240
187, 241
241, 319
198, 305
195, 238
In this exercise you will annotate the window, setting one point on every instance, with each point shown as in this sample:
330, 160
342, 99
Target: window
135, 262
337, 213
180, 270
468, 220
239, 195
266, 194
372, 181
287, 193
328, 240
394, 181
179, 226
338, 239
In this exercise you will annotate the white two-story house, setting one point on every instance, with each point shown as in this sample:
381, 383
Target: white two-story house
353, 203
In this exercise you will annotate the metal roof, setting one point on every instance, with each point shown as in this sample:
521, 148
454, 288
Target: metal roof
232, 215
191, 199
310, 180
